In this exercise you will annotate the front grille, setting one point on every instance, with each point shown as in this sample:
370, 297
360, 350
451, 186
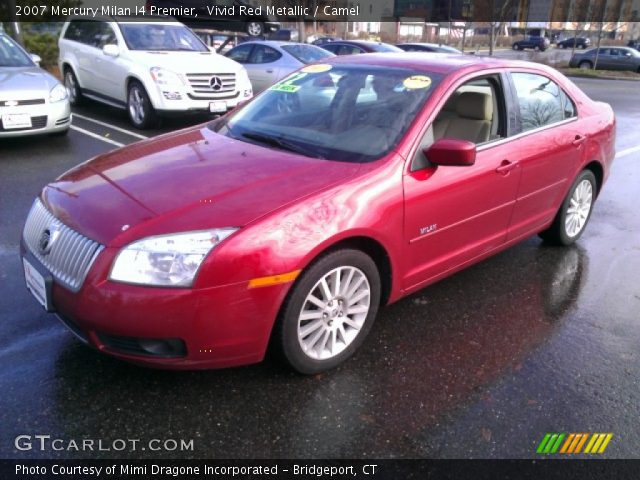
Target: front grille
36, 122
201, 83
71, 254
12, 103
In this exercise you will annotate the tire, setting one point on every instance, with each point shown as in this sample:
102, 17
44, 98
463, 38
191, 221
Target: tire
330, 334
139, 108
585, 66
73, 87
515, 47
569, 226
536, 48
563, 46
583, 46
255, 29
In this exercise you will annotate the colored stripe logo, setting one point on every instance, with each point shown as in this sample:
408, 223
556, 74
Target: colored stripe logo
572, 443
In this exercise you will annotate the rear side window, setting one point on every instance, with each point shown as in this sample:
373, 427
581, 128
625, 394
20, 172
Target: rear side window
264, 54
75, 31
540, 100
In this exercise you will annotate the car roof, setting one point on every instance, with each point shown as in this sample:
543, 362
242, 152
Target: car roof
275, 43
435, 62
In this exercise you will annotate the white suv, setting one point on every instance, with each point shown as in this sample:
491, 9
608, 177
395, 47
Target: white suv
147, 67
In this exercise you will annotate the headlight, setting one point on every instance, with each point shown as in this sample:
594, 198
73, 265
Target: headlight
57, 93
166, 260
166, 78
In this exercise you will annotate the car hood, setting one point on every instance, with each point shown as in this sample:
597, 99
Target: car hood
186, 62
24, 83
188, 180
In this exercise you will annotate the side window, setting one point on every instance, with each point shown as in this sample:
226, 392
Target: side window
104, 35
474, 112
240, 53
75, 31
568, 106
264, 54
331, 48
539, 100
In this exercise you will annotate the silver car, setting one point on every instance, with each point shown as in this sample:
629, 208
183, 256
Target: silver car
269, 61
609, 58
32, 101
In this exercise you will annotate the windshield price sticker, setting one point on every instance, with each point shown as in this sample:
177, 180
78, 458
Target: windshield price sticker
417, 81
288, 85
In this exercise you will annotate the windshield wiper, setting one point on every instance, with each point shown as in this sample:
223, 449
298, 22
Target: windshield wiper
280, 143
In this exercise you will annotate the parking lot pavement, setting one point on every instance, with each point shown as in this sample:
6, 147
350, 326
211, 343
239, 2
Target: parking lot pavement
537, 339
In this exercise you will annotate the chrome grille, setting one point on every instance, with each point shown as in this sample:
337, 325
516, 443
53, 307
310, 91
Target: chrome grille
201, 83
71, 255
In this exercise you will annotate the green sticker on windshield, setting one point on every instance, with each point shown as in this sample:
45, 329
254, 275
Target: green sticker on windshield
282, 87
287, 85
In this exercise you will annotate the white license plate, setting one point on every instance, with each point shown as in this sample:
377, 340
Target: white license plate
35, 283
16, 120
217, 107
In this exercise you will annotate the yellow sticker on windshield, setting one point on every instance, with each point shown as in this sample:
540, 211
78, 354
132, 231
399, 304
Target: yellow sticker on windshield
319, 68
417, 81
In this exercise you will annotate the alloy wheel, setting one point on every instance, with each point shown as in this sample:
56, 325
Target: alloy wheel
579, 208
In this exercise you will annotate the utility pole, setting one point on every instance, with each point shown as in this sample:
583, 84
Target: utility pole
15, 25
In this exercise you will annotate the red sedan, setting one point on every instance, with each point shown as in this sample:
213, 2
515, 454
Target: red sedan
290, 227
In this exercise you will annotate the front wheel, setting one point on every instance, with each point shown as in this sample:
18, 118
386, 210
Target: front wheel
73, 87
141, 112
515, 47
574, 213
585, 66
329, 311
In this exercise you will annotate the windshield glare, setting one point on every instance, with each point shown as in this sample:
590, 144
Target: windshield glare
11, 55
161, 37
347, 113
306, 53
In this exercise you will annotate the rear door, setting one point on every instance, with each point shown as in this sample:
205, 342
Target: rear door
263, 67
549, 144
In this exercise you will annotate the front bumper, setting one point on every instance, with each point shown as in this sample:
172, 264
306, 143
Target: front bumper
217, 327
45, 118
184, 100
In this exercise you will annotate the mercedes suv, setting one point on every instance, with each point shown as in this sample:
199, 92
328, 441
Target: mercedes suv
147, 67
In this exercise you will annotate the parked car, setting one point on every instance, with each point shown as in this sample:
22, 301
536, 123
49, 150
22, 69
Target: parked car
269, 61
291, 228
427, 47
326, 39
351, 47
535, 43
609, 58
580, 42
32, 101
222, 15
147, 67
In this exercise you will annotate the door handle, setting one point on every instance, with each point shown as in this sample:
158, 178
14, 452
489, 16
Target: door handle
577, 141
506, 166
269, 70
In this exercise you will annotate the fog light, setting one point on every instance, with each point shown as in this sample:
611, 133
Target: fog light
172, 95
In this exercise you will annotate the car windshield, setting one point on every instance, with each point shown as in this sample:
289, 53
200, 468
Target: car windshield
306, 53
352, 113
162, 37
11, 55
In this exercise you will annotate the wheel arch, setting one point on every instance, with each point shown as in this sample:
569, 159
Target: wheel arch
598, 171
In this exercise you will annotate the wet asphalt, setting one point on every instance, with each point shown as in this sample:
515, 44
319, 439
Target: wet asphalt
481, 365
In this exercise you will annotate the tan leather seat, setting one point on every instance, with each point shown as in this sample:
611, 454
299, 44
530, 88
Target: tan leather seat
472, 121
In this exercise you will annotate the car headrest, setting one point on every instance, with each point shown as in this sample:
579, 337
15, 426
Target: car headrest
474, 105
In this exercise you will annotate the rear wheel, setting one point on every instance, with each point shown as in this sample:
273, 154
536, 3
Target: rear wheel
329, 311
574, 213
139, 107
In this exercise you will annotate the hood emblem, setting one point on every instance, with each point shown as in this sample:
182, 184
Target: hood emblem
48, 238
215, 83
11, 103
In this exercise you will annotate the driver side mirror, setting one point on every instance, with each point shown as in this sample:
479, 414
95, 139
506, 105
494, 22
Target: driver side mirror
111, 50
451, 152
36, 58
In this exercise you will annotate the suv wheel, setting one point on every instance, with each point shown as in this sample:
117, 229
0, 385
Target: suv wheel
255, 29
72, 86
139, 107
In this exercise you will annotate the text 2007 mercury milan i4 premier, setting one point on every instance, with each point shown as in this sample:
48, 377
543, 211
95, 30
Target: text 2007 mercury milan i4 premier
289, 229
